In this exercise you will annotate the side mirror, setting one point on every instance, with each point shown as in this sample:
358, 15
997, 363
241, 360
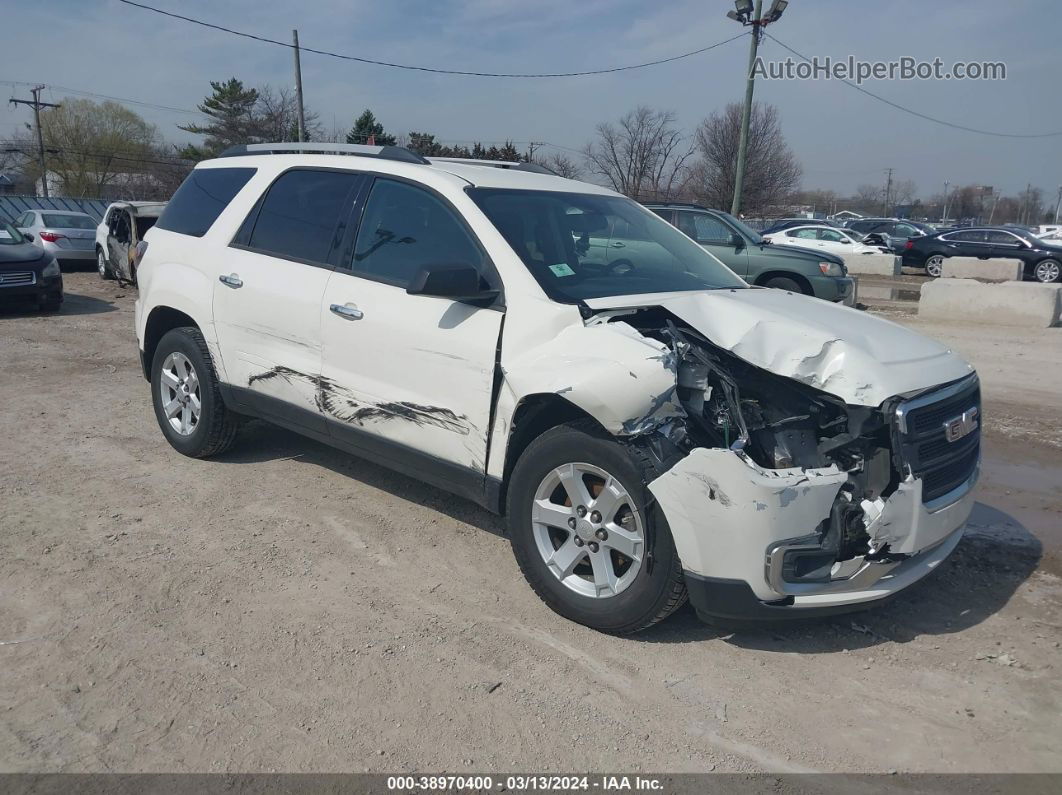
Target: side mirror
28, 236
736, 240
456, 282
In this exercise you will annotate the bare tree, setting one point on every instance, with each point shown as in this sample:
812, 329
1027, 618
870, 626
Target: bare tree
771, 170
904, 191
277, 113
644, 156
868, 195
561, 165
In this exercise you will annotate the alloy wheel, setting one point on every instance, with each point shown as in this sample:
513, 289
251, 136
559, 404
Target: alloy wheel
1047, 271
935, 266
588, 530
180, 393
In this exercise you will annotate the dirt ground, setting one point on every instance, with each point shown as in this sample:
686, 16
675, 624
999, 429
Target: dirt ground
287, 607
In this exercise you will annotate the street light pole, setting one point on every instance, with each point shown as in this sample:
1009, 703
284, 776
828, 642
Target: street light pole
1058, 204
945, 213
301, 113
746, 114
750, 17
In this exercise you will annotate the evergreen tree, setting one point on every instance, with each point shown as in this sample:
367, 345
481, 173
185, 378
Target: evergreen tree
231, 110
366, 126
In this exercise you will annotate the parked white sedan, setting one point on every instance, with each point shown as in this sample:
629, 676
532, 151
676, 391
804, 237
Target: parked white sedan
827, 238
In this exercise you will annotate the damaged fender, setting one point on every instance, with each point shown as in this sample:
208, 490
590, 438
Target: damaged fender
622, 379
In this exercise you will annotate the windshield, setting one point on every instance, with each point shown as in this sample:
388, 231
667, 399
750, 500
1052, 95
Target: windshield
581, 246
9, 236
68, 221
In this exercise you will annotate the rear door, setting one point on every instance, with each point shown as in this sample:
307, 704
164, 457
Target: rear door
967, 243
1005, 244
409, 378
267, 302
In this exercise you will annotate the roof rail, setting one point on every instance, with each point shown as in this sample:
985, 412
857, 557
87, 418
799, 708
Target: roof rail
512, 165
384, 152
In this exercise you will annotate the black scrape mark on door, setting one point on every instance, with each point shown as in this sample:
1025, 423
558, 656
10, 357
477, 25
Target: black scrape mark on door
338, 402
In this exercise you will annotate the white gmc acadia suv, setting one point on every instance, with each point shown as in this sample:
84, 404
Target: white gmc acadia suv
652, 427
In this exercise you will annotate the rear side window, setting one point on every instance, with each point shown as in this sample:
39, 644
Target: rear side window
299, 216
201, 199
63, 221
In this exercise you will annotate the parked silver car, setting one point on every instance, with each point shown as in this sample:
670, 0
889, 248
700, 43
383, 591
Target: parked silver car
67, 235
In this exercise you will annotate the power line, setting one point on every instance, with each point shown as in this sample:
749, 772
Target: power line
434, 70
81, 92
920, 115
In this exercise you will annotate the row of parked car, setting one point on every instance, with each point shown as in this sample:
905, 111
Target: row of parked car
925, 246
41, 242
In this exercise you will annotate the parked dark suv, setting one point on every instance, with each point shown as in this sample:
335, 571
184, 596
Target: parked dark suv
756, 260
1043, 261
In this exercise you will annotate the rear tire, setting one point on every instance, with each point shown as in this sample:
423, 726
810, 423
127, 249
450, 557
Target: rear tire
103, 267
643, 590
784, 283
1047, 272
187, 397
935, 266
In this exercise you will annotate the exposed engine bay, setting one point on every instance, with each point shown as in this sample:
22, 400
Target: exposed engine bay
779, 424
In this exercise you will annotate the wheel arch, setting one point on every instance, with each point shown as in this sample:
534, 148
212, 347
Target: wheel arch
160, 320
799, 278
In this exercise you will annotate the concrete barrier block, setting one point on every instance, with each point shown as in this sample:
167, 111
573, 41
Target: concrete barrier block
872, 264
1006, 304
994, 269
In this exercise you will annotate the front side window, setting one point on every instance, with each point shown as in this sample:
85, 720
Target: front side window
1004, 238
300, 214
804, 234
404, 228
704, 228
831, 236
547, 230
202, 197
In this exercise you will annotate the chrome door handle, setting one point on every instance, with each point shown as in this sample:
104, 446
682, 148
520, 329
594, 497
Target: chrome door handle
347, 312
617, 244
232, 280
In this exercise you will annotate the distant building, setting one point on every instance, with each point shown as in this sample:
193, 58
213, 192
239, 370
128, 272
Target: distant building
846, 215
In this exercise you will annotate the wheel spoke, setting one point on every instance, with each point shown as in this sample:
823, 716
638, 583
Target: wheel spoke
197, 408
623, 541
551, 514
192, 380
572, 479
604, 573
169, 379
171, 408
611, 499
186, 419
566, 558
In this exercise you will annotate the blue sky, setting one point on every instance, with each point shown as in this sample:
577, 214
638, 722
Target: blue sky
841, 137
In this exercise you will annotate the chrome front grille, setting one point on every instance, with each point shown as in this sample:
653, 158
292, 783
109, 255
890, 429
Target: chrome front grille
17, 278
940, 438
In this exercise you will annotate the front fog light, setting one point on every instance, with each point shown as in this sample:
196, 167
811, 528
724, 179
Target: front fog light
51, 269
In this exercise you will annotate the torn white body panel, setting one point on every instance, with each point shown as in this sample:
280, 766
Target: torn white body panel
620, 378
857, 357
727, 515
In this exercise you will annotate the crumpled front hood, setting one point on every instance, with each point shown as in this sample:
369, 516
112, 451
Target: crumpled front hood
858, 357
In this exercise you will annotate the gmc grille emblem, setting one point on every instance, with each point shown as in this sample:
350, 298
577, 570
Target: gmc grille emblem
963, 425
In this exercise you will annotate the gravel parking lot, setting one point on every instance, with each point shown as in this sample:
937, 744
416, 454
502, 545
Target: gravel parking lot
287, 607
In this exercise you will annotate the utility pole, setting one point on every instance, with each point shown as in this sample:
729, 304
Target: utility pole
1058, 204
888, 191
36, 104
743, 12
992, 214
944, 214
298, 86
531, 147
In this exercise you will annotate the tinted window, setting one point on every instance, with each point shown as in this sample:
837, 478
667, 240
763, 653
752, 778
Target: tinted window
300, 214
404, 228
966, 237
201, 199
67, 221
1005, 238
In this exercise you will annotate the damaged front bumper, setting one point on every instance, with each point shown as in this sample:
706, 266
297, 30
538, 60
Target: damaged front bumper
748, 536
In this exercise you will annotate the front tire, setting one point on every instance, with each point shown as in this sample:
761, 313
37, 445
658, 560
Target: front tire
586, 534
187, 398
784, 283
1047, 272
103, 267
935, 266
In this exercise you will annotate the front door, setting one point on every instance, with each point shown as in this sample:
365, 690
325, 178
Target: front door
409, 378
267, 301
118, 242
718, 238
